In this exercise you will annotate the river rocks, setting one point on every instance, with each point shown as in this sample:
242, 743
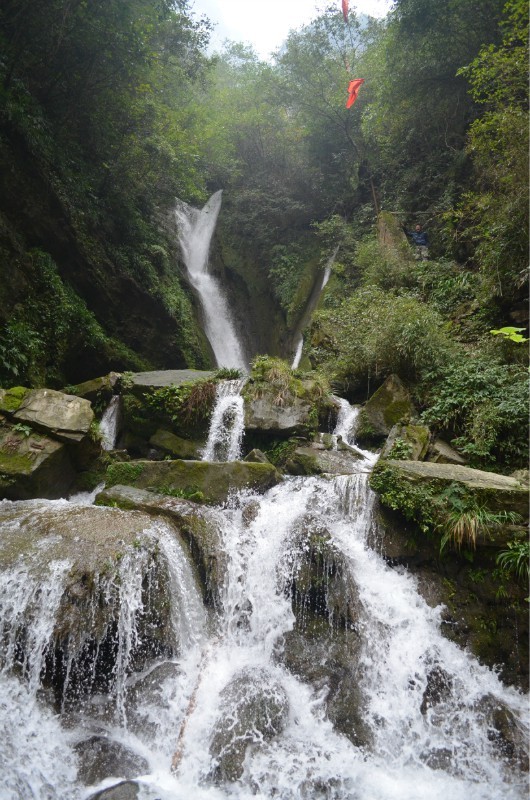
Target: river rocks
196, 525
442, 453
504, 732
99, 390
313, 459
204, 481
253, 710
126, 790
65, 416
390, 404
32, 464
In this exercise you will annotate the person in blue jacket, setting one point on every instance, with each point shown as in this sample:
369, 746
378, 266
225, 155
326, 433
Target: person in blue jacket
420, 241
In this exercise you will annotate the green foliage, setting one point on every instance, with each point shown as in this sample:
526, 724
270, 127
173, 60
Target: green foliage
516, 559
190, 403
511, 333
189, 493
400, 450
483, 406
123, 473
374, 333
228, 374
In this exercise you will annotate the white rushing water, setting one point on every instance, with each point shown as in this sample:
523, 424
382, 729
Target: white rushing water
196, 228
109, 423
441, 752
225, 435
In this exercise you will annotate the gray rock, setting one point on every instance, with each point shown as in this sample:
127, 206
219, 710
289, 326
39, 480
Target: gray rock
33, 465
257, 457
65, 416
414, 439
313, 460
127, 790
169, 442
262, 414
390, 404
168, 377
195, 524
442, 453
100, 758
254, 709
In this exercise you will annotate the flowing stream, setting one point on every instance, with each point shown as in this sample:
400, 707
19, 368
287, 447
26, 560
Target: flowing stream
228, 715
225, 435
196, 228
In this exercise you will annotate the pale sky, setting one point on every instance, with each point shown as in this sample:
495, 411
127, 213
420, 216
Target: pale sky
265, 24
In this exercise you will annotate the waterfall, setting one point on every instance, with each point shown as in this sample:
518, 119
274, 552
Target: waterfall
196, 229
109, 423
245, 709
311, 305
227, 424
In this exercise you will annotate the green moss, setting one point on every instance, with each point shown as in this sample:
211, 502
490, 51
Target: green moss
15, 463
12, 398
123, 473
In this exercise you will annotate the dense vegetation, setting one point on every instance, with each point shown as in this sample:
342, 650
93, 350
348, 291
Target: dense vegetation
109, 110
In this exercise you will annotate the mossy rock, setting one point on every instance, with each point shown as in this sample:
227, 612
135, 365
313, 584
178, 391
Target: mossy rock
410, 442
10, 399
390, 404
174, 445
211, 482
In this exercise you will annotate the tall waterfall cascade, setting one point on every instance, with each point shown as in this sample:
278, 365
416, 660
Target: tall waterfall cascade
225, 435
195, 229
228, 717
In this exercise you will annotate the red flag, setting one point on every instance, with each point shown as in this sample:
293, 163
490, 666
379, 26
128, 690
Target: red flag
345, 10
353, 91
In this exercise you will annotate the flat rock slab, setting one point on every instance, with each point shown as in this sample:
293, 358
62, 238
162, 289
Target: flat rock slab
262, 414
169, 377
507, 492
203, 481
64, 416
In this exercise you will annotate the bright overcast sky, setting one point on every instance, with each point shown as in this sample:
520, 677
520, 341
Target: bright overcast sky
265, 23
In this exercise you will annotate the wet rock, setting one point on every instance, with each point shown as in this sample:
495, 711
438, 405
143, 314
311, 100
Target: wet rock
211, 482
438, 689
438, 758
101, 758
329, 660
128, 790
65, 416
198, 528
505, 731
253, 710
99, 549
314, 460
98, 390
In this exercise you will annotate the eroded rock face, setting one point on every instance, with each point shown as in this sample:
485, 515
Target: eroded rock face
65, 416
254, 709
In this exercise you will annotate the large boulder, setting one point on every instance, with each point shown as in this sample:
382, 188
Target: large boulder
177, 447
98, 390
140, 382
390, 404
407, 441
442, 453
264, 414
324, 455
32, 464
202, 481
75, 571
64, 416
195, 523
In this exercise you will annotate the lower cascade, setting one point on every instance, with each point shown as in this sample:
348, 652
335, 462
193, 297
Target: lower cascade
227, 425
316, 672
